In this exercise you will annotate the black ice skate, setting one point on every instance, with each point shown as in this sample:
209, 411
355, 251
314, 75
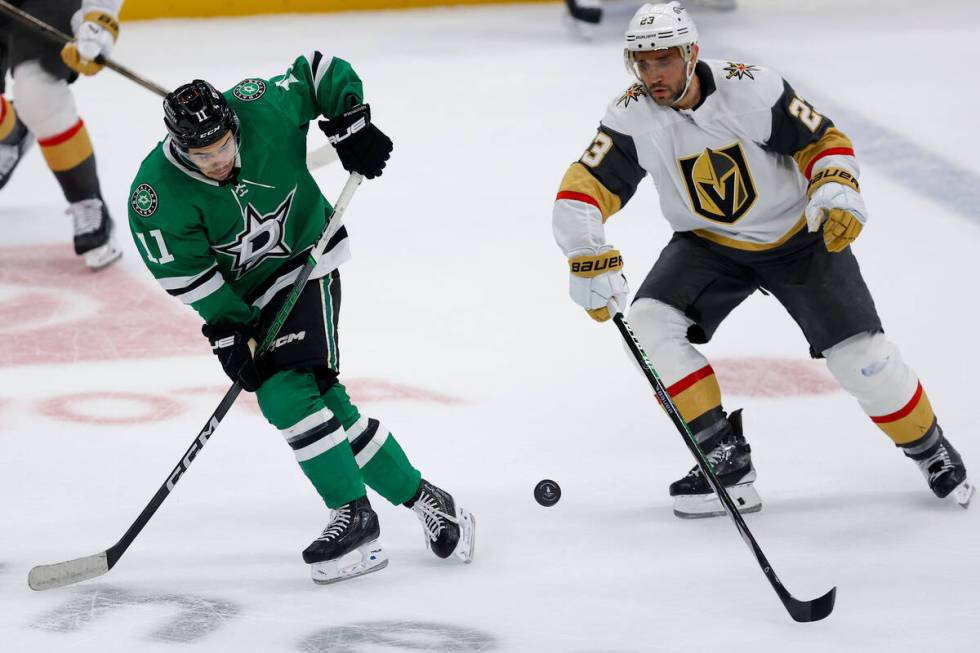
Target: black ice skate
353, 527
942, 466
93, 233
730, 457
449, 529
11, 154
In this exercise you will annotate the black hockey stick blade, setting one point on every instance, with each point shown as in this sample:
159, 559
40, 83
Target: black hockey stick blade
806, 611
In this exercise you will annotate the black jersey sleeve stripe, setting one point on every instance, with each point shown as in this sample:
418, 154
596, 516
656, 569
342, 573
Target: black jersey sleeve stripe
197, 283
619, 170
336, 240
315, 64
795, 123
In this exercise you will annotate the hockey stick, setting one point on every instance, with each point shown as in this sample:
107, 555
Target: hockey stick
60, 37
814, 610
322, 156
45, 577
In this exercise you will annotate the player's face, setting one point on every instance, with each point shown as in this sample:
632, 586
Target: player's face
663, 72
216, 160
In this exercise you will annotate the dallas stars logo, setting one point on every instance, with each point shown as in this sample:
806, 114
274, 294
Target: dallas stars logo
633, 93
144, 200
740, 70
249, 89
263, 237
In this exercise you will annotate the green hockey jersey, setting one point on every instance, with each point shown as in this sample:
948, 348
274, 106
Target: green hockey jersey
226, 248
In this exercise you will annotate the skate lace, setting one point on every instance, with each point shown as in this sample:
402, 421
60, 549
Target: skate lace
433, 520
86, 215
714, 457
928, 468
339, 521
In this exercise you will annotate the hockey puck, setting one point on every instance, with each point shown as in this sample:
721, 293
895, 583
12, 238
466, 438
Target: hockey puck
547, 493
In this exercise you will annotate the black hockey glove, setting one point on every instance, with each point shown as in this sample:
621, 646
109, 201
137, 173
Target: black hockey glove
229, 342
362, 147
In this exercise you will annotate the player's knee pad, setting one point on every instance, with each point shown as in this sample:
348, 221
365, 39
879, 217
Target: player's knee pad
871, 368
44, 102
662, 332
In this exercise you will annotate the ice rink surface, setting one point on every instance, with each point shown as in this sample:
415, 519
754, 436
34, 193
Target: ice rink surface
457, 332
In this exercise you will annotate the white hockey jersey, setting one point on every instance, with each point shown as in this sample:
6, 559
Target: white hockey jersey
733, 170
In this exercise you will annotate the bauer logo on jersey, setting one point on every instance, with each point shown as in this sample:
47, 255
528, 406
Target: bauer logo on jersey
249, 89
144, 200
740, 70
719, 183
632, 94
264, 236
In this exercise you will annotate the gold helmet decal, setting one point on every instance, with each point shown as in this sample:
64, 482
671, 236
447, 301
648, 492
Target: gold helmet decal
719, 183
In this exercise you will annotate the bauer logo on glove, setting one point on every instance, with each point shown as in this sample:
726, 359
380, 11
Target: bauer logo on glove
361, 146
597, 281
591, 265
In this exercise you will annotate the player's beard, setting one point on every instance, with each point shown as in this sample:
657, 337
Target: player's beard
673, 95
222, 174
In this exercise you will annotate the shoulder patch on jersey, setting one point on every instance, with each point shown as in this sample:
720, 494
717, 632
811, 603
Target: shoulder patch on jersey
144, 200
249, 89
740, 70
632, 94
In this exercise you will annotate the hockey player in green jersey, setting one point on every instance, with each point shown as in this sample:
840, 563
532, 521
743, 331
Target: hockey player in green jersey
224, 212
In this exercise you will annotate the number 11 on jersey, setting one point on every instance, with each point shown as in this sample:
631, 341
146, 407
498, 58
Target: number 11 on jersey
165, 255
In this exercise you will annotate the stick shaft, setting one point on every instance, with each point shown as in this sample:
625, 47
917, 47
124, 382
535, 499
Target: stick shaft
61, 38
799, 610
72, 571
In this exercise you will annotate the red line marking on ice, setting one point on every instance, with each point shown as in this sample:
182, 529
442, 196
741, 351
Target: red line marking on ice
57, 311
72, 408
361, 390
85, 408
772, 377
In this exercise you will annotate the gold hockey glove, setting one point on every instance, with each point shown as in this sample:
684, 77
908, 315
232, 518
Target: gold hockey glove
835, 203
840, 229
94, 36
597, 282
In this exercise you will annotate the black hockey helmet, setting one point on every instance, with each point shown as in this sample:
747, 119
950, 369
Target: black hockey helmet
196, 115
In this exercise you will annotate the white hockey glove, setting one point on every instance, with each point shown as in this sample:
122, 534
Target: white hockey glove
597, 283
836, 203
95, 34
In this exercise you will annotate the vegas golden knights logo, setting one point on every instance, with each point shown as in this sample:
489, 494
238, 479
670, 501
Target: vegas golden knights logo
719, 183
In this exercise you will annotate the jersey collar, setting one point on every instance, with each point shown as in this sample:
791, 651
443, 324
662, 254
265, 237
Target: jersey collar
170, 151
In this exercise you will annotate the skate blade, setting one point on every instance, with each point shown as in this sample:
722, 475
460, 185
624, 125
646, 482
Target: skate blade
963, 493
467, 537
102, 257
698, 506
328, 572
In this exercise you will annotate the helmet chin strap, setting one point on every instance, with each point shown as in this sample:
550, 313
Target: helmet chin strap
687, 84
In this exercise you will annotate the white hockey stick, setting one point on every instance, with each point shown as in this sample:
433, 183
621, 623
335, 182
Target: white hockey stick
321, 156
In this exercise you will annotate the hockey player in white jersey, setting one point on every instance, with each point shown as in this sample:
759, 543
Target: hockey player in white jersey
44, 109
762, 192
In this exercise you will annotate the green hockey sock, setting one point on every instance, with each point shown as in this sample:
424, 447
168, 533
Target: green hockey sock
384, 465
291, 401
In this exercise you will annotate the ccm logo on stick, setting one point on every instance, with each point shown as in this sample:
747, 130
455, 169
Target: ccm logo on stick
182, 466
